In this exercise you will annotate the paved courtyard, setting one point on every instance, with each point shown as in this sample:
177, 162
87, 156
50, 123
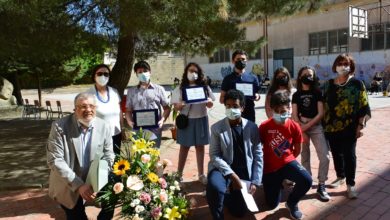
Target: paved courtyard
23, 170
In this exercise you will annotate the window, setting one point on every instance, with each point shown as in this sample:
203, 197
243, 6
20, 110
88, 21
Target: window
378, 37
335, 41
221, 56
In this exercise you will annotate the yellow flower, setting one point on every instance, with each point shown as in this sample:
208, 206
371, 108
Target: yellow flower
154, 152
120, 167
153, 177
172, 214
141, 145
137, 170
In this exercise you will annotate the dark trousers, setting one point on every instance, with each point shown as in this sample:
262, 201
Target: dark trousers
218, 197
249, 113
116, 142
272, 184
78, 212
343, 148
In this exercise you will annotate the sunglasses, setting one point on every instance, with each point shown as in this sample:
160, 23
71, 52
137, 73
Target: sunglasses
106, 74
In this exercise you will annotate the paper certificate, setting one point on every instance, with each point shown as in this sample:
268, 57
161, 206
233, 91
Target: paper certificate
249, 200
194, 94
246, 88
145, 118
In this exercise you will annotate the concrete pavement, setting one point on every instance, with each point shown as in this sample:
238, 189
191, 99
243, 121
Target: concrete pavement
23, 173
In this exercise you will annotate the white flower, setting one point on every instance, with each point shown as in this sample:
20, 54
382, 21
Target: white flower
145, 158
176, 183
163, 196
137, 201
139, 208
154, 192
118, 188
134, 183
172, 188
132, 204
136, 217
177, 187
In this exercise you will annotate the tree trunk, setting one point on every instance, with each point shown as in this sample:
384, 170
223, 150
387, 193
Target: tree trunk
121, 72
39, 88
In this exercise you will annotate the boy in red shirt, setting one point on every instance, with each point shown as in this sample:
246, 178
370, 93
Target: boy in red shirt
282, 139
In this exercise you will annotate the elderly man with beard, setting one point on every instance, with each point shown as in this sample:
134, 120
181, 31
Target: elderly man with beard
72, 145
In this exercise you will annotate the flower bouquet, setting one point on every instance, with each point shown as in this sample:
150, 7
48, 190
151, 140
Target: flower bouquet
140, 186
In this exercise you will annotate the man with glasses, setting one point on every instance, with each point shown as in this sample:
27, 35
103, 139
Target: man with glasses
72, 145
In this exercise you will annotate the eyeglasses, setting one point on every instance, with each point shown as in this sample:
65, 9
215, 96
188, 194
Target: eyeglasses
85, 107
106, 74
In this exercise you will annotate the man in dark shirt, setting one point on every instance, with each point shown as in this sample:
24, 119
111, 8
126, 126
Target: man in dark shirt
235, 154
239, 59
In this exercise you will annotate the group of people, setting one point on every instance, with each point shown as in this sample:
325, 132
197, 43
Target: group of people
239, 149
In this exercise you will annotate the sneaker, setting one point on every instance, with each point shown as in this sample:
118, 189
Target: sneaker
203, 179
351, 191
338, 182
324, 196
294, 211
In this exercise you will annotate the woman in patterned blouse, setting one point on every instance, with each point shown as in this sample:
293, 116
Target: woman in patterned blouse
346, 112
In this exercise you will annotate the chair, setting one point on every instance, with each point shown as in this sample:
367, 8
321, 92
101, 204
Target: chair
27, 109
39, 110
59, 109
51, 112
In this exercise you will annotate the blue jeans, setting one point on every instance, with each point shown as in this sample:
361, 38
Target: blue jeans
272, 184
217, 196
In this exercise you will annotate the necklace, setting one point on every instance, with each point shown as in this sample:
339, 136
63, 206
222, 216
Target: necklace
101, 98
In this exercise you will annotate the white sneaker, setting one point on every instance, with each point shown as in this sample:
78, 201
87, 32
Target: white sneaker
338, 182
351, 191
203, 179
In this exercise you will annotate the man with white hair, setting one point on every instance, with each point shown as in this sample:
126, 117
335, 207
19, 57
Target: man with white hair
72, 145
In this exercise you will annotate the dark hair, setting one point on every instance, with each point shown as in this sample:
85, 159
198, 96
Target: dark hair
274, 85
280, 98
201, 81
95, 69
234, 95
141, 64
343, 57
313, 86
239, 52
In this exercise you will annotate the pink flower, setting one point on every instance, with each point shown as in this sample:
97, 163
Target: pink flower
163, 196
145, 158
163, 183
118, 188
145, 197
156, 212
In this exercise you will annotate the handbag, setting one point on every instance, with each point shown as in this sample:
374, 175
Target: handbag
182, 120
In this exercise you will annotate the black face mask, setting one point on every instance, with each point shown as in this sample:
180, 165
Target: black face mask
240, 65
282, 81
307, 80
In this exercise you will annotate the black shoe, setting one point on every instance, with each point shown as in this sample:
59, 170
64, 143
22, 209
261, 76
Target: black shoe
324, 196
294, 212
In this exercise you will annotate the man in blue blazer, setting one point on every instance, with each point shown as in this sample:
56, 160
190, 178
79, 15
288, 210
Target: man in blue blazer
72, 145
235, 153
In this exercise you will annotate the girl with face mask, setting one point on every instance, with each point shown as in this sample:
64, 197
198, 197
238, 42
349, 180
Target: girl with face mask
281, 81
197, 131
307, 111
107, 103
346, 113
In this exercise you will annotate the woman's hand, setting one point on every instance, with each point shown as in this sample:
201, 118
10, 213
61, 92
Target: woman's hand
209, 103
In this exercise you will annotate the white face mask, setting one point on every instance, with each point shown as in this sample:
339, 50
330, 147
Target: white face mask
144, 77
102, 80
343, 70
233, 113
192, 76
85, 122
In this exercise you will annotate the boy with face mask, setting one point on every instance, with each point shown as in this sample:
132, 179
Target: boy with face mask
239, 59
147, 96
235, 153
282, 139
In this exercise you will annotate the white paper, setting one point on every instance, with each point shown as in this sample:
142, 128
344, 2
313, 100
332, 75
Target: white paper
195, 93
246, 88
97, 174
249, 200
145, 118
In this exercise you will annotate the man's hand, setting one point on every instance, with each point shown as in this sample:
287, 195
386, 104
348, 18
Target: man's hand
86, 192
257, 97
252, 189
236, 182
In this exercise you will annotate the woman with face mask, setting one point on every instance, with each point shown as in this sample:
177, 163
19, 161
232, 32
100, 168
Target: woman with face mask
280, 81
107, 103
346, 113
197, 131
307, 111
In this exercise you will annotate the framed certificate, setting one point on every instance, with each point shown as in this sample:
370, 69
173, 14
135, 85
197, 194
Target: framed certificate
147, 118
246, 88
194, 94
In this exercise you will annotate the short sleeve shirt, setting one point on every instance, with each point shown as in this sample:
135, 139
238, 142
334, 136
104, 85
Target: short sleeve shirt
153, 97
278, 141
307, 102
197, 110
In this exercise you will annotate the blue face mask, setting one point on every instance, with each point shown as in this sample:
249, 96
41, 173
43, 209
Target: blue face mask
281, 118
